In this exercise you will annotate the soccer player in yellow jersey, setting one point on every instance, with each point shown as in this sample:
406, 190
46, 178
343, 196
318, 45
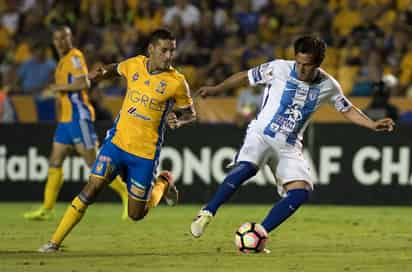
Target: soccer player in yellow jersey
156, 94
75, 128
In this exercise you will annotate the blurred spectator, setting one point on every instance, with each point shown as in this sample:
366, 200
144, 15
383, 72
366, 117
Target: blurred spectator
32, 26
347, 18
207, 37
148, 18
292, 22
96, 99
380, 107
6, 109
128, 42
319, 19
35, 74
247, 19
219, 68
61, 13
5, 37
370, 72
88, 34
255, 53
188, 13
10, 18
405, 74
368, 34
248, 104
269, 24
258, 5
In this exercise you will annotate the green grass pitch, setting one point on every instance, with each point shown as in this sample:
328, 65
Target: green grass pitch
317, 238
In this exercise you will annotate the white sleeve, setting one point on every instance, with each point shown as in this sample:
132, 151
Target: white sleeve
262, 74
338, 99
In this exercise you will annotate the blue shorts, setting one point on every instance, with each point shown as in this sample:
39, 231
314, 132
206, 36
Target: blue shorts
76, 132
137, 172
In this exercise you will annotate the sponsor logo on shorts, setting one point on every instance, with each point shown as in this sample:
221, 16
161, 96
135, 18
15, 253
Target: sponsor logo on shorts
99, 168
105, 158
137, 184
137, 191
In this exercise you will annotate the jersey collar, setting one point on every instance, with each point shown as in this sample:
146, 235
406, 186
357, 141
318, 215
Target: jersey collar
154, 72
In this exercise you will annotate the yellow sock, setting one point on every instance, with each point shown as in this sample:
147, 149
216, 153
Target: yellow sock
52, 189
119, 187
158, 190
73, 215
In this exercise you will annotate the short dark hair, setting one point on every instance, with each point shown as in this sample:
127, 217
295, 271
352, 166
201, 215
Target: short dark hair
62, 28
161, 34
311, 45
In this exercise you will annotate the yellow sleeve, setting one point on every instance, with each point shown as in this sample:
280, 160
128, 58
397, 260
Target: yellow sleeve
77, 65
183, 98
122, 68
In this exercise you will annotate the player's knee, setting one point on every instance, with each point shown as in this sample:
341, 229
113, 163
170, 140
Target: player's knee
56, 162
87, 200
248, 169
137, 216
91, 190
242, 172
90, 159
298, 196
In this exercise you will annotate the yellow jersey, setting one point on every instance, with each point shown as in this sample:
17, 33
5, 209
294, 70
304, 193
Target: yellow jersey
74, 105
140, 125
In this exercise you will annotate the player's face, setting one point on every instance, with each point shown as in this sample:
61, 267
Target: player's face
162, 53
305, 67
62, 40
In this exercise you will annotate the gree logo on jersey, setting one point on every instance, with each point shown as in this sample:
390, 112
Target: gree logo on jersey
145, 100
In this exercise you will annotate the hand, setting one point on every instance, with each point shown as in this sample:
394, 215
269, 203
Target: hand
386, 124
97, 73
53, 88
206, 91
50, 90
172, 121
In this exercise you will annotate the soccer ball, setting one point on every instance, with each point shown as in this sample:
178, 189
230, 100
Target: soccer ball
251, 238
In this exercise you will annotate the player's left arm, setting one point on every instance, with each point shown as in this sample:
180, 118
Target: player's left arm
356, 116
78, 84
76, 70
184, 111
180, 117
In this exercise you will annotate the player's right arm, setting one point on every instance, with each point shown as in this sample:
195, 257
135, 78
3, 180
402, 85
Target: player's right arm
103, 72
234, 81
261, 74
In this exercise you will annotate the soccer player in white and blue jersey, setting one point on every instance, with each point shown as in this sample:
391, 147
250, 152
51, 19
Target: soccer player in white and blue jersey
294, 90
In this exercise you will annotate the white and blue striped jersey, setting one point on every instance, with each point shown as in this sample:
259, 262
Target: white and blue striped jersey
288, 103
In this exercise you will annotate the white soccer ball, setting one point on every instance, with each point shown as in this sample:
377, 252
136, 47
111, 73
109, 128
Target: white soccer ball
251, 238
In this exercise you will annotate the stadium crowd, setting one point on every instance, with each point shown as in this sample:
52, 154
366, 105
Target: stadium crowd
368, 40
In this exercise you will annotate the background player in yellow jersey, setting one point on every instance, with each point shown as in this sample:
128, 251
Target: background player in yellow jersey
132, 146
75, 128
